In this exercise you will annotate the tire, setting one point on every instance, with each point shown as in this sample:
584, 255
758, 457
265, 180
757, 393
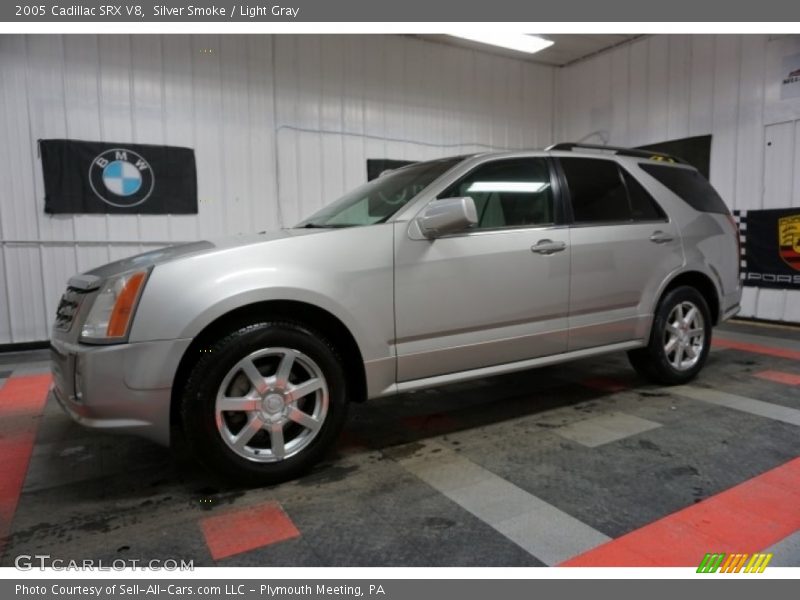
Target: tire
660, 361
265, 402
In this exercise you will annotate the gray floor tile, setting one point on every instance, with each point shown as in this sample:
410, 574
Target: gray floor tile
605, 429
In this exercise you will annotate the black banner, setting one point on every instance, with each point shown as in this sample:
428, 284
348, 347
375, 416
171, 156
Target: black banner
105, 177
770, 247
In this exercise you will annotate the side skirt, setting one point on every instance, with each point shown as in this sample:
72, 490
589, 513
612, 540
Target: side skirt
428, 382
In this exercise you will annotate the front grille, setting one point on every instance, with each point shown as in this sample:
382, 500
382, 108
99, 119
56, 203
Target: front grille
68, 308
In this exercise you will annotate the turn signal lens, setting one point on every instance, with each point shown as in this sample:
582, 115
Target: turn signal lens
112, 310
123, 307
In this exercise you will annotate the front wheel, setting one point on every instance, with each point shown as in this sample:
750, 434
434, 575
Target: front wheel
265, 402
680, 339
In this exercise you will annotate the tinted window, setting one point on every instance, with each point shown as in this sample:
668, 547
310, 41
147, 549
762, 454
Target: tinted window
509, 193
643, 206
596, 190
689, 185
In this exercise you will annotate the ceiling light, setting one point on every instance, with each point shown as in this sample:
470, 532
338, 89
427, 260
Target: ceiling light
521, 42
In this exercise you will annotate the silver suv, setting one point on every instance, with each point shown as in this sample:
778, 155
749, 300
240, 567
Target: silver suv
437, 272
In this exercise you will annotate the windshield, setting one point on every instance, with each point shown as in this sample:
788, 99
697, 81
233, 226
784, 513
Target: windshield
377, 200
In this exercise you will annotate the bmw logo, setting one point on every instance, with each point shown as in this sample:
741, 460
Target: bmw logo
121, 178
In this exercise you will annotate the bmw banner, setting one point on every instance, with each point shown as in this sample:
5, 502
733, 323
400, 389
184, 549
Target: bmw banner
770, 247
115, 178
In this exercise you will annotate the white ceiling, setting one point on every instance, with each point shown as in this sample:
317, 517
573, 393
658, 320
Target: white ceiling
567, 47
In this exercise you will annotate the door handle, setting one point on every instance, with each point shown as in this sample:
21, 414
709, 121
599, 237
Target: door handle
548, 247
659, 237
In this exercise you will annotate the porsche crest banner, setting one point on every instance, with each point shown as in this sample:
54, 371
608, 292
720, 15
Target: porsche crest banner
770, 247
104, 177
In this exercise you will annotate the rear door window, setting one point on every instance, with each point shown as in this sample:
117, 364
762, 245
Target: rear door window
603, 192
643, 205
596, 190
689, 185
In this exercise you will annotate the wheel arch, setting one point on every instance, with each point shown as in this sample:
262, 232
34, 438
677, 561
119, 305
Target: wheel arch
312, 316
702, 283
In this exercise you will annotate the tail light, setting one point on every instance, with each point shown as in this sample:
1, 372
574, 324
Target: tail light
735, 227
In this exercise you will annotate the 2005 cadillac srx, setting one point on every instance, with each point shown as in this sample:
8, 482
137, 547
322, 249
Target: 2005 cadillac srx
433, 273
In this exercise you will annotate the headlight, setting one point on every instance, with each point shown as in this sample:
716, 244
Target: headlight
111, 313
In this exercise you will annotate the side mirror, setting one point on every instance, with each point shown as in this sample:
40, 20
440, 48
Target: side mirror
447, 215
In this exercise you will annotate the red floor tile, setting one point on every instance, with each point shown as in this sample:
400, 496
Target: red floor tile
721, 342
246, 529
22, 401
746, 518
779, 377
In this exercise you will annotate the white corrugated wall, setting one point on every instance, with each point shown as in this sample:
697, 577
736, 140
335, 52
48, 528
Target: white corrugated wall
668, 87
283, 124
280, 125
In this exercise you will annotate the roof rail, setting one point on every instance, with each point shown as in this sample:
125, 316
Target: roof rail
651, 154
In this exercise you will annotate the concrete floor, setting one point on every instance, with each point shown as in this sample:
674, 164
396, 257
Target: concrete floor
528, 469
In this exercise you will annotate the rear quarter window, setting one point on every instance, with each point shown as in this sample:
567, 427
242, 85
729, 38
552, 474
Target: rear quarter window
689, 185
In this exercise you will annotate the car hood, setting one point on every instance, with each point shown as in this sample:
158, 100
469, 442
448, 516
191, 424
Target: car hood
92, 279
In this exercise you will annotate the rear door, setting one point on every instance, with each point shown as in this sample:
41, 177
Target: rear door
623, 247
710, 236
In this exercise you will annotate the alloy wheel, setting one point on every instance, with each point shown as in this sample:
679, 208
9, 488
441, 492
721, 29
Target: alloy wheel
271, 404
684, 336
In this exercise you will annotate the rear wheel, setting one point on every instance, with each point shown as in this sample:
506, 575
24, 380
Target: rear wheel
679, 340
265, 403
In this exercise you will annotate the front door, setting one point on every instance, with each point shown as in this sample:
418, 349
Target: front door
493, 294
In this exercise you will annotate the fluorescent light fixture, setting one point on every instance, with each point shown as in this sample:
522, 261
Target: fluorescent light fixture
521, 42
508, 186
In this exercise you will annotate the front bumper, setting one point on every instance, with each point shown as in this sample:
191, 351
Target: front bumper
122, 388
